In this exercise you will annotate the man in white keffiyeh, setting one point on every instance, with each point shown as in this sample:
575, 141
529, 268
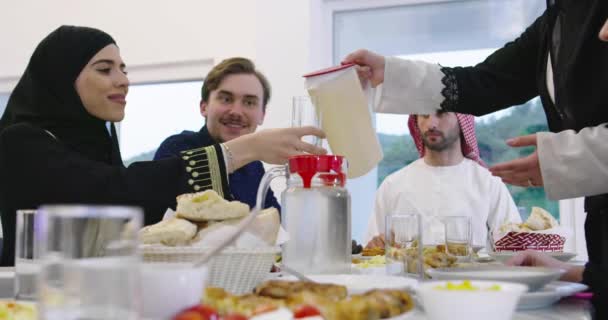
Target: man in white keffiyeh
449, 179
466, 132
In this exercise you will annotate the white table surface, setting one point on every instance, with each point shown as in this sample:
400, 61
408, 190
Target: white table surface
567, 309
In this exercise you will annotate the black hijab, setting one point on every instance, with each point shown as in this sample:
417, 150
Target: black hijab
46, 94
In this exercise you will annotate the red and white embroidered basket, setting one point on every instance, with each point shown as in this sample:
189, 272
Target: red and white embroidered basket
518, 241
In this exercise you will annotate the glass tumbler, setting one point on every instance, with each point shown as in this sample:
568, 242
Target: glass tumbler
403, 245
305, 113
90, 262
27, 263
458, 237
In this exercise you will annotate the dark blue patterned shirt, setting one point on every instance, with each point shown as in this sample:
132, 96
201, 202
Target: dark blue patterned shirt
243, 182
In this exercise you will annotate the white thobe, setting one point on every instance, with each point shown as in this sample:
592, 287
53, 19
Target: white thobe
465, 189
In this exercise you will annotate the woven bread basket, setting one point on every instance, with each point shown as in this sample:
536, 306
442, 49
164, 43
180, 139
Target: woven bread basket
237, 270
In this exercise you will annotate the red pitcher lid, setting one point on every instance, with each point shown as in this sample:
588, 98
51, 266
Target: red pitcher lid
308, 165
328, 70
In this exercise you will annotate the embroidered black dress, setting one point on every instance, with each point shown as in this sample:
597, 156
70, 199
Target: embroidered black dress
568, 33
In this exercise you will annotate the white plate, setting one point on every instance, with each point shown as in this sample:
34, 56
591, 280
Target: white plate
534, 277
503, 256
360, 283
549, 294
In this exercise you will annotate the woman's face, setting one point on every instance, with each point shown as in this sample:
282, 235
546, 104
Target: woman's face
103, 85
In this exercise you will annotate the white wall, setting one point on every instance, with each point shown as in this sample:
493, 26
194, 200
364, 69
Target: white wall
273, 33
278, 35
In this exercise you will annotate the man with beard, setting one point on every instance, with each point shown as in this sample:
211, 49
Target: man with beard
233, 101
449, 179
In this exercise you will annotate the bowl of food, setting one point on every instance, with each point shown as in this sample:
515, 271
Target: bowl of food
171, 287
20, 310
470, 300
534, 277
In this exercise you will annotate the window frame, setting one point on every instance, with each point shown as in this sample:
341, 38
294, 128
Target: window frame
179, 71
187, 70
571, 211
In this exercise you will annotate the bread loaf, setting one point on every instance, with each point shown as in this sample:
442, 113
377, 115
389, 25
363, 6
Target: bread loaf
208, 205
540, 219
170, 232
265, 226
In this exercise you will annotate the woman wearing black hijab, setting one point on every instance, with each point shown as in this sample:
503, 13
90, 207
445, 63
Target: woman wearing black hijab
559, 58
58, 143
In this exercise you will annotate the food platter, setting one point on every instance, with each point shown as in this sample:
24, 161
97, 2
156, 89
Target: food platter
340, 296
534, 277
360, 283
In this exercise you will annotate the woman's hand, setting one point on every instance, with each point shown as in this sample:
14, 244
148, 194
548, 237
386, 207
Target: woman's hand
370, 66
523, 172
273, 146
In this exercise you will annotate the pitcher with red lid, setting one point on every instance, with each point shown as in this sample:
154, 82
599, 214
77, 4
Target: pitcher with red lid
315, 212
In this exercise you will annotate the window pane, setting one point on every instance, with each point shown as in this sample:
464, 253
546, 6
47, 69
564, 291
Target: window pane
433, 27
155, 112
3, 101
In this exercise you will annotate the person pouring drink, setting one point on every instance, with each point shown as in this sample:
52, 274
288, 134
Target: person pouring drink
559, 58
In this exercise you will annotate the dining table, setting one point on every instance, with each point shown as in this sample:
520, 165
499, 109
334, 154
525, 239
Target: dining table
568, 308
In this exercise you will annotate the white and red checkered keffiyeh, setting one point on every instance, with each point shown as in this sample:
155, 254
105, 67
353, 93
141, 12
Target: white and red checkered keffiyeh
469, 146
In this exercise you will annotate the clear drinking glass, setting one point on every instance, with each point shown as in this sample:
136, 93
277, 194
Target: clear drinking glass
305, 113
90, 262
27, 263
403, 245
458, 237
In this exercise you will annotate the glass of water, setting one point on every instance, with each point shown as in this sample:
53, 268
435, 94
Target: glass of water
27, 263
305, 113
403, 245
90, 262
458, 237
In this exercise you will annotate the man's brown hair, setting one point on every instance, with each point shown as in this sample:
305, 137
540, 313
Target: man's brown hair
230, 66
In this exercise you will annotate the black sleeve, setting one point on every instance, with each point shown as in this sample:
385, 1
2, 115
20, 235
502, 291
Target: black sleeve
596, 277
506, 78
37, 169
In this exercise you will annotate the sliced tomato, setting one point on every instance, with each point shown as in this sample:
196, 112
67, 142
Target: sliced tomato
306, 311
189, 315
206, 312
234, 316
